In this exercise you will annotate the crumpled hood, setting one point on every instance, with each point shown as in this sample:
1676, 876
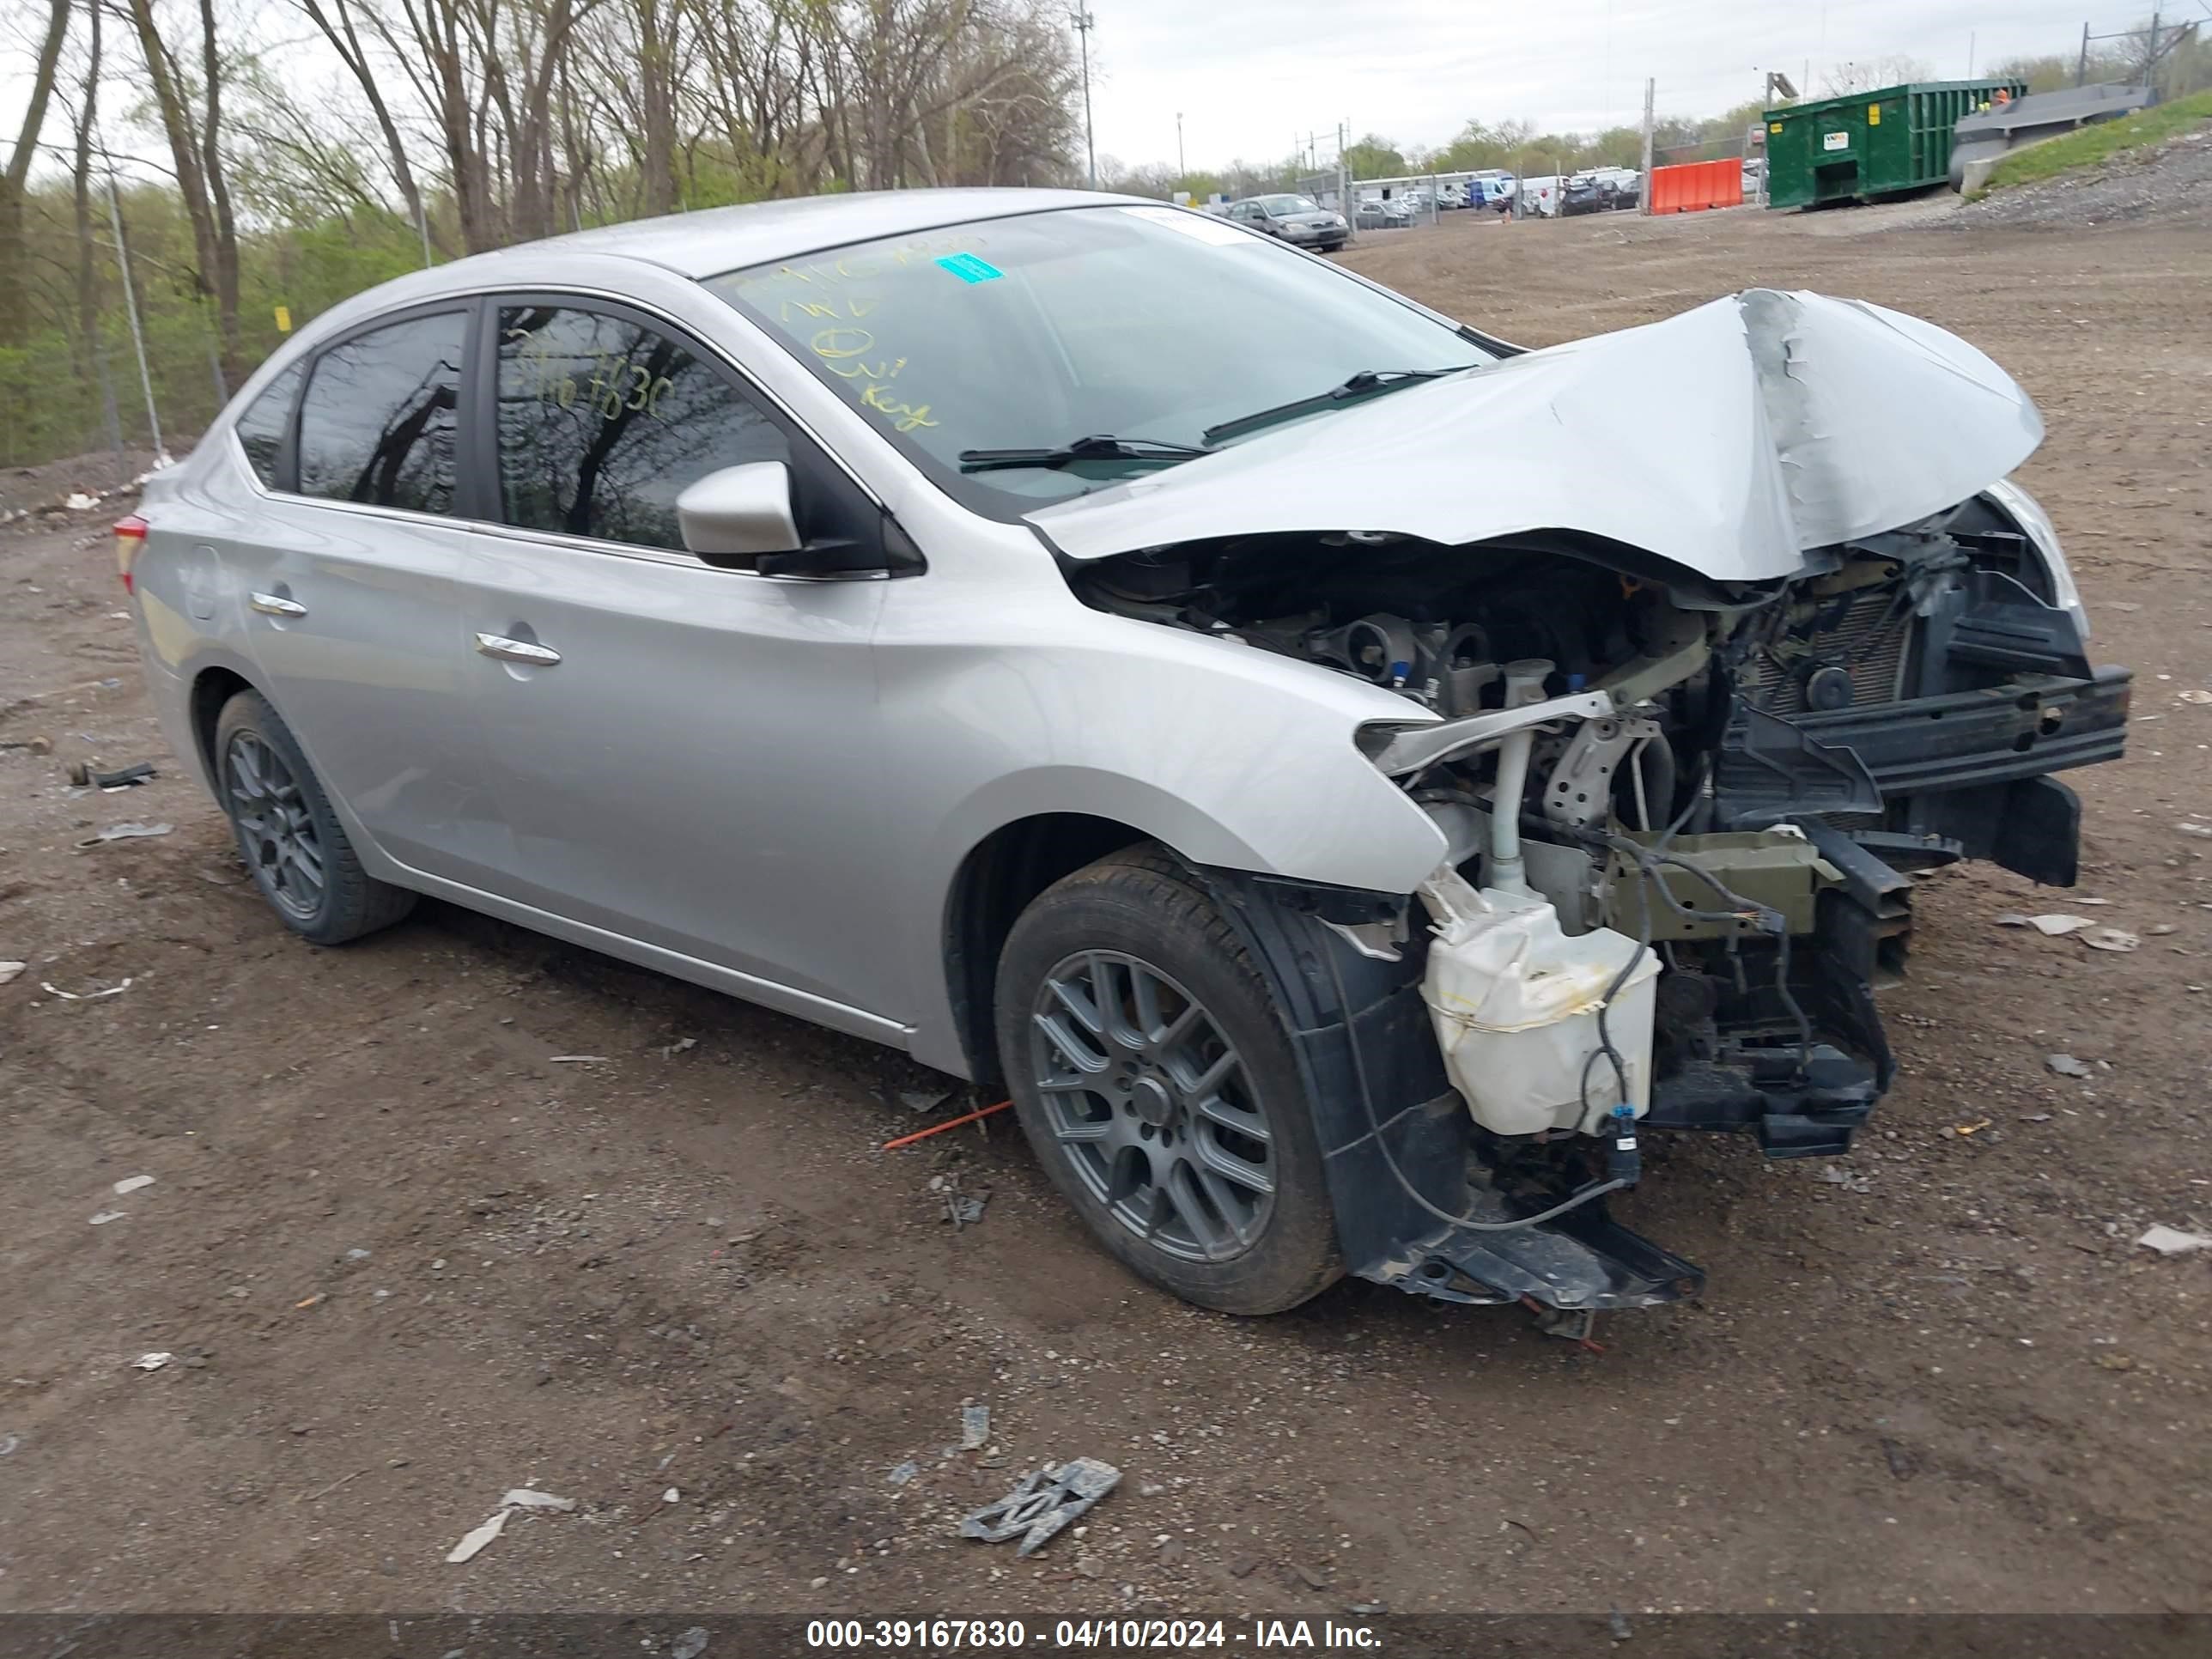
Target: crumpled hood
1729, 440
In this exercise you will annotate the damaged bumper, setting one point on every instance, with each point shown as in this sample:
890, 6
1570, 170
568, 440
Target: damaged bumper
1399, 1148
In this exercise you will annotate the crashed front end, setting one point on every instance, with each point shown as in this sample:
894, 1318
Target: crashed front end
1685, 798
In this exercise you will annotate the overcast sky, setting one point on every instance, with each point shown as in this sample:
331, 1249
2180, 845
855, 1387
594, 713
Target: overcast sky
1249, 74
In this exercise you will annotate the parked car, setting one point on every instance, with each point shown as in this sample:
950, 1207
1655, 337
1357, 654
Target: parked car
760, 595
1296, 219
1376, 213
1585, 193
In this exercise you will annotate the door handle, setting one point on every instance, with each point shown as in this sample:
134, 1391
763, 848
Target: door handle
275, 605
507, 650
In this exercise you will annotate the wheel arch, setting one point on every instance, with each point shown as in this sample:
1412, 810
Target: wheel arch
213, 686
999, 879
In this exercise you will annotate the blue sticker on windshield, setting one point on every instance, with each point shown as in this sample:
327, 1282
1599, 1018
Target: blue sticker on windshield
970, 268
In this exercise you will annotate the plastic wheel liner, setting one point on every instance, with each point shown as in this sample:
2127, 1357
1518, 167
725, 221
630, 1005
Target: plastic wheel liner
1400, 1149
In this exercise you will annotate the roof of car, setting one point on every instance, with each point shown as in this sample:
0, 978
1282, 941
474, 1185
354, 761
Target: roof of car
714, 240
698, 244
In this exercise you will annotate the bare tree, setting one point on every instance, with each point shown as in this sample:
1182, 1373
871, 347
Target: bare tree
1841, 80
91, 355
14, 302
196, 148
335, 20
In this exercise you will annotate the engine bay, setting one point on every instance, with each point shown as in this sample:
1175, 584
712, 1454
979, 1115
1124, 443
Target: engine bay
1703, 820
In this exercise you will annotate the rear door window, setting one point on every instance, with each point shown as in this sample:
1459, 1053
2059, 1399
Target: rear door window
379, 422
605, 421
261, 429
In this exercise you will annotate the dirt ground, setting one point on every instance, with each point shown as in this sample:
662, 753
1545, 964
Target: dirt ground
403, 1261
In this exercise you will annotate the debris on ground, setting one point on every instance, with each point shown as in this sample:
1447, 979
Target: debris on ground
2172, 1241
2055, 925
525, 1498
575, 1060
681, 1046
975, 1427
1047, 1500
130, 1184
127, 832
152, 1362
689, 1644
1836, 1175
9, 971
80, 773
476, 1537
898, 1141
2067, 1066
921, 1100
2203, 829
2110, 939
107, 1216
961, 1209
904, 1473
2196, 696
54, 990
515, 1498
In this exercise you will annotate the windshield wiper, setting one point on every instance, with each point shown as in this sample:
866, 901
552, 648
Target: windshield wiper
1365, 384
1099, 446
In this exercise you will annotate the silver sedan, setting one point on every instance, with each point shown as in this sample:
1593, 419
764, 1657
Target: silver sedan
968, 620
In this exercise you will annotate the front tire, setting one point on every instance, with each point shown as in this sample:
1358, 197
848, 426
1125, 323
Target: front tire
1156, 1080
291, 841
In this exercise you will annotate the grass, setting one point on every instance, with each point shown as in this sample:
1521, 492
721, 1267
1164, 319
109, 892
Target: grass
2099, 143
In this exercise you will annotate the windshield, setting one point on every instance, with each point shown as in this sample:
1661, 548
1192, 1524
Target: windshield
1141, 322
1275, 205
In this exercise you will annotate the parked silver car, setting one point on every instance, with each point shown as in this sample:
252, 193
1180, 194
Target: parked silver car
965, 620
1296, 219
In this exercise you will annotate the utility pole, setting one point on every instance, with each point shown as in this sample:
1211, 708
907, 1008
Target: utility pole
131, 304
2081, 73
1182, 167
1084, 23
1650, 98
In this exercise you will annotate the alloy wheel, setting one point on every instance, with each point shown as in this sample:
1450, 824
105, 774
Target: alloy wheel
1153, 1106
275, 826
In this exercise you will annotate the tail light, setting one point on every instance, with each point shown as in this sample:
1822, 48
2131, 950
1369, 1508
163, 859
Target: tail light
130, 538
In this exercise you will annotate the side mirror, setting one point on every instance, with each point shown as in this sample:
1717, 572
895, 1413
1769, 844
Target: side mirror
740, 513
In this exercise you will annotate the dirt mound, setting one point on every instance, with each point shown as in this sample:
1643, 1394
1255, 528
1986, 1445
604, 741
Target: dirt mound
32, 497
2170, 184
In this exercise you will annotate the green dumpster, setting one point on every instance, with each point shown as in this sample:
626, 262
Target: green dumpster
1855, 149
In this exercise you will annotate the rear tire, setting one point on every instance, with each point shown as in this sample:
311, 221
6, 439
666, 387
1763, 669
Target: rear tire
1155, 1078
292, 842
